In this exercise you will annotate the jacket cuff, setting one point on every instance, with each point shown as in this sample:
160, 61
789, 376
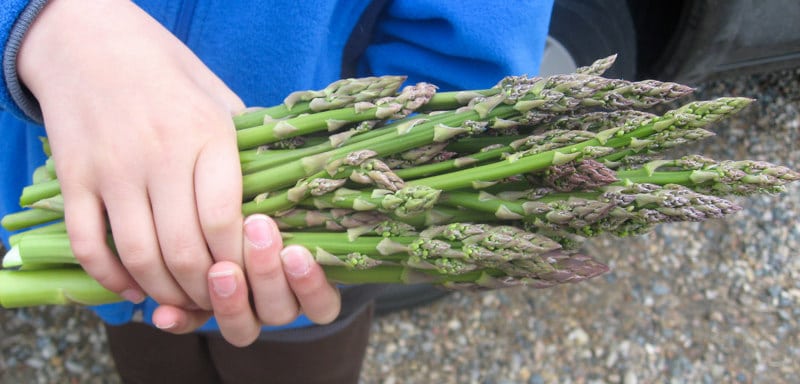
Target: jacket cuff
21, 102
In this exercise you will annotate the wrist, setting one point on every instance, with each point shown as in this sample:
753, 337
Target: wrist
39, 39
21, 98
61, 31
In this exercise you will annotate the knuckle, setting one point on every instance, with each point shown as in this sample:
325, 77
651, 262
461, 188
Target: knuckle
185, 256
86, 249
265, 269
209, 110
208, 113
108, 281
226, 310
170, 295
183, 265
90, 254
112, 281
309, 286
231, 309
221, 215
177, 299
137, 258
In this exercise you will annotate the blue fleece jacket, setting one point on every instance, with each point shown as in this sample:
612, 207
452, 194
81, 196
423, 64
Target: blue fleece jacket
265, 49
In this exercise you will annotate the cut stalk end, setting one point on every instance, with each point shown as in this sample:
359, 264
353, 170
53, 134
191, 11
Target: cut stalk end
12, 258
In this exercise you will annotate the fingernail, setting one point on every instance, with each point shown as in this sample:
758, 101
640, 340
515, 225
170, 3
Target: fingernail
296, 262
258, 231
223, 282
133, 295
165, 326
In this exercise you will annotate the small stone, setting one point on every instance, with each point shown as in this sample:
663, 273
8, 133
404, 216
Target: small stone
524, 374
454, 325
73, 367
630, 378
489, 299
536, 379
578, 336
660, 289
35, 363
612, 358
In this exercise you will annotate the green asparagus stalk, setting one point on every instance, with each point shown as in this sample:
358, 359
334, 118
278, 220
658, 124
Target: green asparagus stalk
515, 95
557, 138
744, 177
74, 286
29, 218
55, 227
463, 254
53, 287
558, 93
359, 133
674, 125
599, 121
389, 195
278, 147
690, 116
403, 104
339, 94
598, 67
39, 191
575, 176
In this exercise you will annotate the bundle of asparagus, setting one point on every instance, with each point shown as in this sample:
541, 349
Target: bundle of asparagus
473, 189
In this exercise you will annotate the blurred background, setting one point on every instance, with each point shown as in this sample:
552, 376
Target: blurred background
697, 302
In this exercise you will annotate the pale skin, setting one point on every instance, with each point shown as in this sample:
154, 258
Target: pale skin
141, 134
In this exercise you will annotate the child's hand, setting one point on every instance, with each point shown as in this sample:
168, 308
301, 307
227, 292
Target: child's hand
284, 282
141, 131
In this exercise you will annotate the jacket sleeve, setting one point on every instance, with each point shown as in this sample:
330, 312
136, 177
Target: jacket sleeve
464, 44
16, 16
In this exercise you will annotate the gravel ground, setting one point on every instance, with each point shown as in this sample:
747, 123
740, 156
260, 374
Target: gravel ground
700, 303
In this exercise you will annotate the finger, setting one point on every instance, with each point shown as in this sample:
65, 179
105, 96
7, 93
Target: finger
229, 297
319, 300
178, 320
179, 234
274, 301
218, 191
131, 220
85, 220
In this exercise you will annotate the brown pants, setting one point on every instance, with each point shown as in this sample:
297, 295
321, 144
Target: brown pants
144, 354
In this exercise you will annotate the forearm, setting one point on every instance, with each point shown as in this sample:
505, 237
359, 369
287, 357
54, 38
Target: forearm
16, 17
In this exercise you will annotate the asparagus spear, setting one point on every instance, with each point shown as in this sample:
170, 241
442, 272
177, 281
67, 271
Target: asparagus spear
557, 93
457, 255
533, 155
396, 202
625, 137
518, 95
339, 94
398, 106
51, 286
